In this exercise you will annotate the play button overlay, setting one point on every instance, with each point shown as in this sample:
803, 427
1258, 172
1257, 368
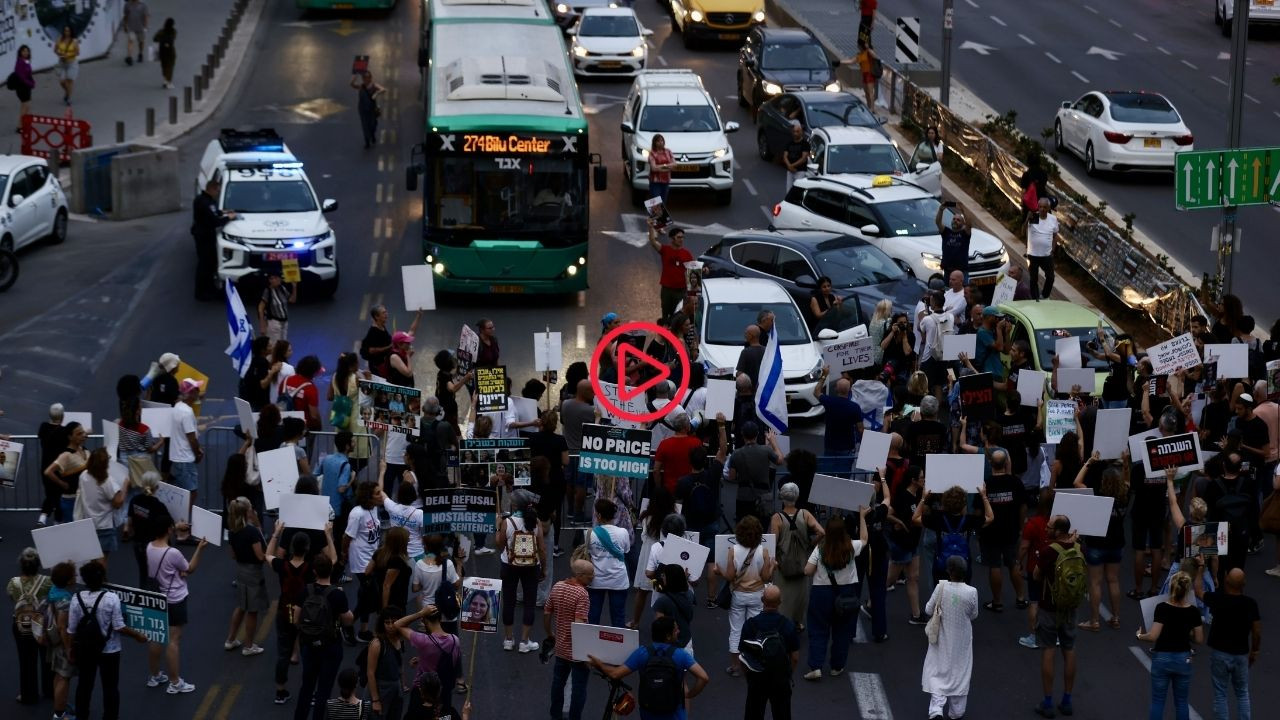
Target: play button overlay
627, 402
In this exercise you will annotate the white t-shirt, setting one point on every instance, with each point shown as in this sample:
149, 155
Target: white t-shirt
513, 525
394, 449
409, 518
365, 531
611, 573
846, 575
1040, 236
97, 501
285, 371
109, 614
953, 302
426, 577
184, 421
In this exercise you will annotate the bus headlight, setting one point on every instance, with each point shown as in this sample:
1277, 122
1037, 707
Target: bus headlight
572, 270
759, 16
772, 89
696, 15
438, 268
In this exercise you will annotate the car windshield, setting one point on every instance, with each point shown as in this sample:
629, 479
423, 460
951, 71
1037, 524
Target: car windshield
908, 218
727, 321
1143, 108
1047, 341
679, 118
541, 196
841, 112
878, 159
791, 56
609, 26
268, 196
852, 265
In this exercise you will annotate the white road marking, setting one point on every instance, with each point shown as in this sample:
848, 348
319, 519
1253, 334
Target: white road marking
1080, 77
377, 194
377, 227
998, 21
388, 226
872, 701
1113, 22
391, 163
582, 298
373, 263
1053, 57
1146, 663
1253, 99
1026, 39
972, 4
1166, 52
1190, 65
382, 163
364, 308
582, 337
768, 214
1218, 80
390, 192
1140, 37
662, 61
1090, 9
386, 264
746, 182
1224, 56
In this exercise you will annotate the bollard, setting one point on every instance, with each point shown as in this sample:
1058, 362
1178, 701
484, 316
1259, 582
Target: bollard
173, 109
119, 131
206, 72
151, 122
198, 91
186, 99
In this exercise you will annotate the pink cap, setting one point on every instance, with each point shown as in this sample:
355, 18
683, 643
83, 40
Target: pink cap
401, 337
189, 385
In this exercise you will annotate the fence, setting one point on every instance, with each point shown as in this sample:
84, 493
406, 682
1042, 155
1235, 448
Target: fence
54, 138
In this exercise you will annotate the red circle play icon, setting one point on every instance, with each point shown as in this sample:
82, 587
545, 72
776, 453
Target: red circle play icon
616, 403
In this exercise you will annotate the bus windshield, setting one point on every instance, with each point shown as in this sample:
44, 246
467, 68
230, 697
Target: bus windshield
542, 196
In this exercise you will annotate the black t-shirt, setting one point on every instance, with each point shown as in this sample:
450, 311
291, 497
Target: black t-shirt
376, 337
148, 516
317, 541
1214, 419
1115, 388
53, 438
1177, 624
251, 390
1019, 433
400, 586
795, 150
904, 507
448, 400
1253, 432
955, 249
1006, 495
550, 446
1233, 619
242, 542
926, 437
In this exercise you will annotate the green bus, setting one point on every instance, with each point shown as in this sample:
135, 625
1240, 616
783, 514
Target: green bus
504, 159
345, 4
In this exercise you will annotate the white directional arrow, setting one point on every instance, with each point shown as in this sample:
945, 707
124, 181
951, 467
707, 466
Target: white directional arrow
1275, 185
976, 47
635, 229
1224, 56
1186, 180
1108, 54
1210, 180
1232, 166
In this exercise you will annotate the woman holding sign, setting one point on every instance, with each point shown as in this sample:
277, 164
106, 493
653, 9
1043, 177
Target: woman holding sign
99, 499
168, 571
1177, 624
64, 472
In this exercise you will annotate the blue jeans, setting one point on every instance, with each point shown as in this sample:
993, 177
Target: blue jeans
1170, 668
1115, 404
565, 671
1230, 669
184, 475
822, 603
617, 606
659, 190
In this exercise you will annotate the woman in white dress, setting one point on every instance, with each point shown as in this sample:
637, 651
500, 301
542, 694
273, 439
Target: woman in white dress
948, 664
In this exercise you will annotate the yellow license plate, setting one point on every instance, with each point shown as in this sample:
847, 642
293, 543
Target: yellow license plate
687, 168
506, 288
988, 280
610, 63
730, 36
1268, 3
1151, 142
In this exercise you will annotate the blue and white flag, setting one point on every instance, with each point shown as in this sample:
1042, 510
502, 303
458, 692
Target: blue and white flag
240, 330
771, 395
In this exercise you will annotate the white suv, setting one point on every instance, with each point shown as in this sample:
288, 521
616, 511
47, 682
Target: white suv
842, 150
892, 214
673, 103
279, 218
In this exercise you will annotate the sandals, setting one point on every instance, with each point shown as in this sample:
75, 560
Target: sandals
1135, 594
1114, 622
1090, 625
994, 606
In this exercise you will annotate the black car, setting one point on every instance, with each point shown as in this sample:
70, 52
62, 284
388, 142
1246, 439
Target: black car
795, 259
814, 109
777, 60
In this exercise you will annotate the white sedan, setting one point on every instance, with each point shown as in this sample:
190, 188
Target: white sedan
1122, 130
32, 204
609, 41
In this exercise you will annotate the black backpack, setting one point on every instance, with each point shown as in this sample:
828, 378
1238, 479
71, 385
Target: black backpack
446, 598
767, 653
661, 682
316, 624
1234, 507
700, 508
89, 640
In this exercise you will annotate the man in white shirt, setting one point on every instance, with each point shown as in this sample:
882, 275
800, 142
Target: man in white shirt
1040, 232
954, 300
184, 445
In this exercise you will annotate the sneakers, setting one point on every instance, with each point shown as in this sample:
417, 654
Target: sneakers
836, 672
231, 645
557, 552
1028, 641
1274, 572
529, 646
253, 650
282, 697
484, 551
920, 619
180, 687
128, 61
44, 518
813, 675
1044, 711
157, 680
508, 645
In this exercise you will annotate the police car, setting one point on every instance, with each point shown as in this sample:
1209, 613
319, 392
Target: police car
280, 222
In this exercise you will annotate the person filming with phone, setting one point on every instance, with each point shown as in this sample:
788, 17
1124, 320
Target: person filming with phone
955, 239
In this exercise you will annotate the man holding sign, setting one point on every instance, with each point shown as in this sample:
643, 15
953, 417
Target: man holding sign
568, 603
665, 700
843, 422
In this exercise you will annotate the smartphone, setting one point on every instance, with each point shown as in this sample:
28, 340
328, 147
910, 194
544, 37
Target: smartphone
949, 204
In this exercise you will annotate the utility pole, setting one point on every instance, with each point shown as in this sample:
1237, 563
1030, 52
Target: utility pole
948, 22
1239, 38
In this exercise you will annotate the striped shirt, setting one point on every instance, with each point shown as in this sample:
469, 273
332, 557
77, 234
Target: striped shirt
340, 709
569, 603
277, 300
134, 440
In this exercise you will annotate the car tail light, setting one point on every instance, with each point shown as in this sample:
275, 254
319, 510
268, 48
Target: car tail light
1184, 139
1117, 138
777, 209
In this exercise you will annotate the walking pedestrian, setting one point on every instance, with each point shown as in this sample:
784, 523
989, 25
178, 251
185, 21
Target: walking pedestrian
206, 220
68, 68
1171, 655
748, 567
64, 471
1235, 638
56, 637
53, 438
866, 60
671, 283
1042, 226
137, 17
607, 547
524, 562
833, 600
1061, 574
904, 538
439, 653
770, 650
147, 516
567, 604
359, 542
675, 599
168, 571
245, 538
29, 591
390, 569
384, 667
348, 705
661, 163
22, 81
295, 574
795, 157
100, 497
866, 18
367, 105
948, 663
666, 700
273, 308
1104, 554
797, 531
320, 640
95, 651
167, 51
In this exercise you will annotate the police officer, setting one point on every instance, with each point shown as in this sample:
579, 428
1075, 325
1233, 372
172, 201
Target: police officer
205, 221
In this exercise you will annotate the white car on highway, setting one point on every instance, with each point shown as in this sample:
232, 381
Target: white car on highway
280, 219
1260, 12
841, 150
32, 204
1122, 130
892, 214
609, 41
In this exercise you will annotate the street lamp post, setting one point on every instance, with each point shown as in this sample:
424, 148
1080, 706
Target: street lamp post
1239, 38
948, 22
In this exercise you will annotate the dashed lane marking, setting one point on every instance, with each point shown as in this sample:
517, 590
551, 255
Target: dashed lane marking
972, 4
582, 337
1090, 9
377, 227
873, 703
1053, 57
1218, 80
662, 61
1114, 22
364, 308
746, 182
228, 703
373, 263
206, 703
582, 298
1190, 65
768, 216
382, 163
386, 264
1026, 39
1140, 37
377, 193
1080, 77
391, 192
1166, 52
1253, 99
997, 21
387, 227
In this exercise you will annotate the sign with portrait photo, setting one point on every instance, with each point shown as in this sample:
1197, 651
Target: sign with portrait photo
480, 460
468, 348
481, 604
390, 408
10, 461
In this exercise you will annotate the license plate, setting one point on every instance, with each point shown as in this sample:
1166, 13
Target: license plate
609, 63
506, 288
988, 280
281, 256
1268, 3
1151, 142
688, 168
730, 36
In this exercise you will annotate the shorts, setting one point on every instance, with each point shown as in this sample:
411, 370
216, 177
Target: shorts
1096, 556
60, 663
251, 588
67, 70
579, 479
1148, 532
109, 539
899, 555
998, 554
184, 475
936, 371
1050, 632
178, 613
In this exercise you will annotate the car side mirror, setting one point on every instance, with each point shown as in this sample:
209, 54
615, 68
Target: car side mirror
646, 32
828, 334
627, 127
835, 62
812, 168
869, 229
600, 178
328, 205
15, 200
731, 126
1066, 104
806, 281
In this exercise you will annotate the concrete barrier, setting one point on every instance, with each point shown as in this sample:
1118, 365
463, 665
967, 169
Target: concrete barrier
125, 181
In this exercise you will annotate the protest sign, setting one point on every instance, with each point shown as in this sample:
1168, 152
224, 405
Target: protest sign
111, 437
978, 396
693, 278
1031, 387
943, 471
73, 542
784, 444
208, 526
953, 345
248, 423
548, 353
1089, 514
10, 461
851, 355
720, 397
279, 472
841, 493
491, 389
1273, 381
1068, 378
481, 604
1232, 359
721, 546
1176, 451
691, 556
612, 645
160, 420
290, 270
615, 451
85, 419
1111, 432
1205, 539
310, 512
1067, 350
636, 405
419, 287
178, 500
657, 211
479, 460
1148, 606
459, 510
390, 408
1004, 291
874, 450
144, 611
1173, 355
468, 348
186, 372
1060, 419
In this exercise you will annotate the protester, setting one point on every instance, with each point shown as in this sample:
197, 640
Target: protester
367, 105
247, 547
948, 663
567, 604
1041, 228
904, 539
100, 497
666, 700
439, 655
607, 546
1060, 572
53, 439
671, 283
1103, 554
29, 590
360, 540
429, 575
273, 308
951, 527
843, 417
390, 571
168, 571
1171, 655
673, 597
770, 651
383, 667
998, 541
185, 452
324, 609
748, 568
751, 469
1235, 638
64, 472
796, 531
661, 163
833, 601
654, 527
348, 705
95, 620
524, 562
58, 634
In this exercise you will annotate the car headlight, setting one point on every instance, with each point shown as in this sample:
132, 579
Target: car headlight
235, 238
832, 86
562, 8
696, 15
815, 373
759, 16
579, 51
642, 152
931, 261
720, 153
638, 52
320, 238
1004, 256
772, 89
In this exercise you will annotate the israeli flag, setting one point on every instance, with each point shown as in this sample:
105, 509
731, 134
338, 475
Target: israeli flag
240, 330
771, 395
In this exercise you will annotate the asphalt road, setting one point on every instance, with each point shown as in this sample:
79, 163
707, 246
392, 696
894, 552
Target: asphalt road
1030, 57
116, 296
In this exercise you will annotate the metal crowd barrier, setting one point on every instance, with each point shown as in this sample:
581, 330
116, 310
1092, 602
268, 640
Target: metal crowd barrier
221, 443
27, 492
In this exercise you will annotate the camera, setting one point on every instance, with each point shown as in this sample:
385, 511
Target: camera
548, 646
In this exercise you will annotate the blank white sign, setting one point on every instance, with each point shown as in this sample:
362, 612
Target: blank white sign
720, 395
612, 645
547, 352
74, 542
1149, 609
419, 287
953, 345
947, 470
1069, 377
206, 525
85, 419
160, 420
279, 471
691, 556
873, 453
1111, 432
304, 511
248, 423
1067, 350
1031, 386
1089, 514
840, 493
176, 500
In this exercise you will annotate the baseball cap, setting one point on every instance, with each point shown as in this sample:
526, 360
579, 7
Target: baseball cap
169, 362
401, 337
189, 385
990, 311
608, 319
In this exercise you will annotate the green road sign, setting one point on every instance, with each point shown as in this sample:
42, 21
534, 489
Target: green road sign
1218, 178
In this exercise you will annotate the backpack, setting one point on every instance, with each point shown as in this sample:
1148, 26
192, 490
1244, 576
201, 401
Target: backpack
340, 412
446, 598
877, 68
28, 610
316, 624
946, 324
700, 508
661, 684
522, 548
767, 653
952, 542
793, 547
293, 399
252, 476
1234, 507
89, 641
1069, 577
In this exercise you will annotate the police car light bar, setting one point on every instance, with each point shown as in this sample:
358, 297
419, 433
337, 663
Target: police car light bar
262, 140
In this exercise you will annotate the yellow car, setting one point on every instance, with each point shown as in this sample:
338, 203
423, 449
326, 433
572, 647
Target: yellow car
1042, 323
729, 20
